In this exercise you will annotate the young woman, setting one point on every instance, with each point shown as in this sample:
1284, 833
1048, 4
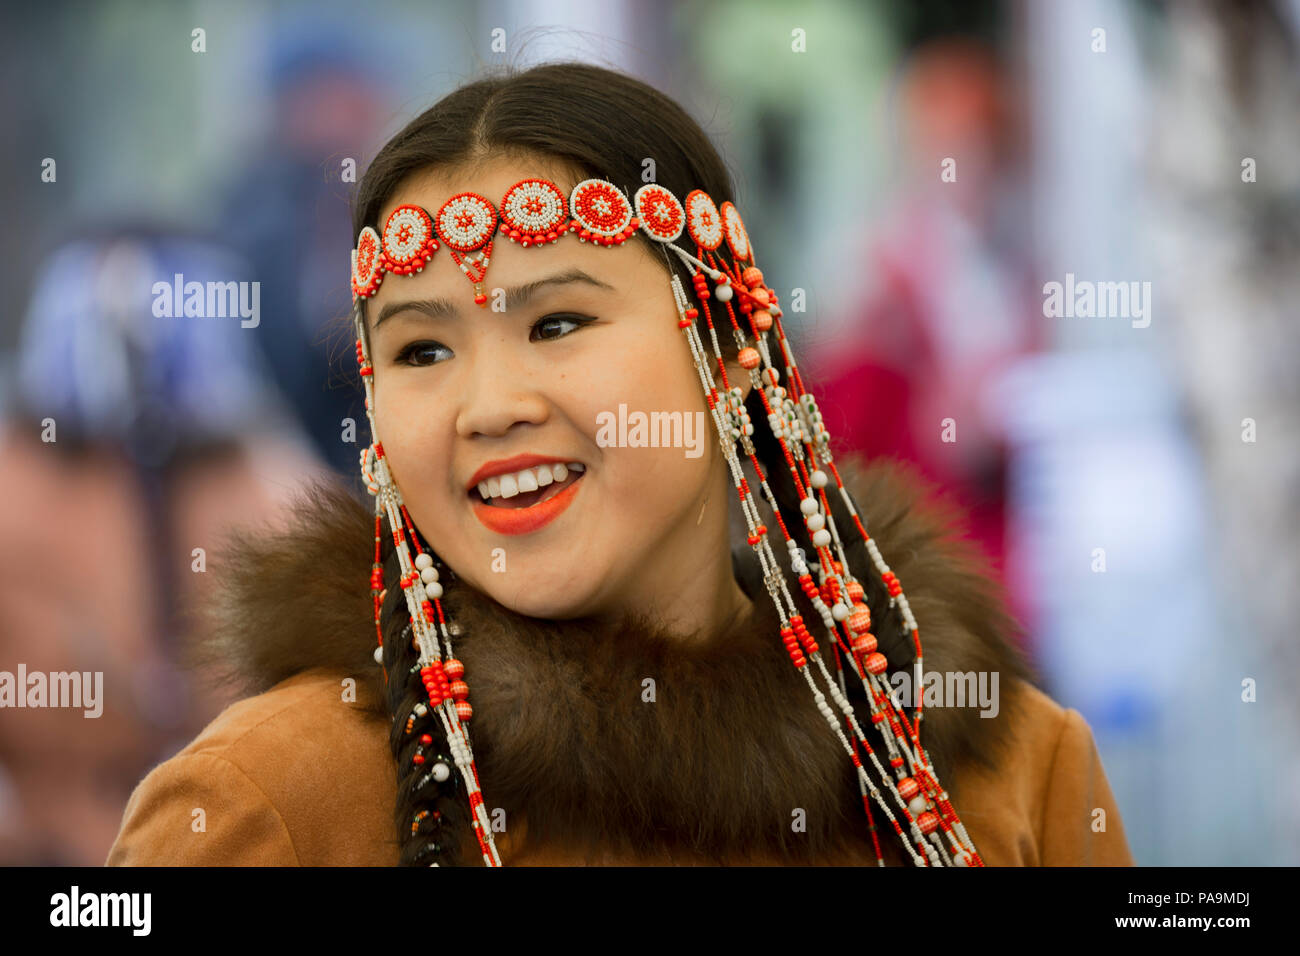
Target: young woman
592, 637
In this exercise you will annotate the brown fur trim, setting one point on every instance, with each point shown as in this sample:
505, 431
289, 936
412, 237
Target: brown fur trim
733, 742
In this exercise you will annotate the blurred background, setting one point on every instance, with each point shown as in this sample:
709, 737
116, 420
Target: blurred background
918, 174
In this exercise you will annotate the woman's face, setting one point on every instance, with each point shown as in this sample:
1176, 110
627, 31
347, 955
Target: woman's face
462, 391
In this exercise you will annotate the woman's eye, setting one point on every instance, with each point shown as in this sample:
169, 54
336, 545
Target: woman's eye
421, 353
551, 322
431, 353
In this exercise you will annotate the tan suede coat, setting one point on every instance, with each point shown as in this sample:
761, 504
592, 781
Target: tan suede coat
301, 773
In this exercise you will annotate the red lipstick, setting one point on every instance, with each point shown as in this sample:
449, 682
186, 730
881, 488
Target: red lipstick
525, 520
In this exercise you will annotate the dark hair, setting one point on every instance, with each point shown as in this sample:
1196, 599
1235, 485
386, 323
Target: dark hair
599, 123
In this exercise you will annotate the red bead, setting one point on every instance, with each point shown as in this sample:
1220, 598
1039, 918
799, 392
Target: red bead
417, 759
908, 788
927, 822
463, 710
860, 621
863, 644
454, 669
459, 689
876, 663
426, 739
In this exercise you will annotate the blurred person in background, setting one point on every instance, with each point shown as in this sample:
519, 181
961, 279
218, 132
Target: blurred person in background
950, 301
287, 212
129, 441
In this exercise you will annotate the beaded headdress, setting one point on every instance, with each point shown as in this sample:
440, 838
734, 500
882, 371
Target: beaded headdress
900, 782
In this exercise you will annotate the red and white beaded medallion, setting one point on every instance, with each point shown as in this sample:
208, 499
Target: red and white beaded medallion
409, 242
466, 221
602, 211
660, 212
367, 264
703, 221
534, 211
737, 237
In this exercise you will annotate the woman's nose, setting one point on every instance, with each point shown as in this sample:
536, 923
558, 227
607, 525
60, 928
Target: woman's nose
496, 393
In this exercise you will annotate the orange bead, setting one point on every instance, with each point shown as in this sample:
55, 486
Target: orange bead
752, 276
762, 320
876, 663
749, 358
863, 644
860, 621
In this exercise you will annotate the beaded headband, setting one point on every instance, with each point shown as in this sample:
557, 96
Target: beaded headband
534, 212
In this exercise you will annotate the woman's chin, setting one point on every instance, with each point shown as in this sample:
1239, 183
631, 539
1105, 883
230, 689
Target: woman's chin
542, 597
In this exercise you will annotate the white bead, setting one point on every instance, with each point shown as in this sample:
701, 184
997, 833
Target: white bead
808, 506
379, 654
815, 522
917, 805
839, 612
818, 479
440, 771
429, 575
822, 539
422, 560
723, 293
960, 858
433, 589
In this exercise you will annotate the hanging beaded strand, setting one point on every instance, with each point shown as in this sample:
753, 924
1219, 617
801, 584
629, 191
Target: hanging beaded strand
706, 227
876, 665
441, 674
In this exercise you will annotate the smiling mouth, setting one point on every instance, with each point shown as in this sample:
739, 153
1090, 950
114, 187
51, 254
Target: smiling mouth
481, 495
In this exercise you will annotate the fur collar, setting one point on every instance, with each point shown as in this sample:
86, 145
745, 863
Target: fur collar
731, 745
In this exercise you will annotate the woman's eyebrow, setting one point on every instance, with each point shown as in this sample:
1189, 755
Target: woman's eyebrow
515, 298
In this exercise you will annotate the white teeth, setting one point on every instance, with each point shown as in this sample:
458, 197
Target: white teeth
528, 479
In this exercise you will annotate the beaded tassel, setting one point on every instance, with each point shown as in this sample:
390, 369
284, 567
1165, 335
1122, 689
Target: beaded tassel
440, 672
